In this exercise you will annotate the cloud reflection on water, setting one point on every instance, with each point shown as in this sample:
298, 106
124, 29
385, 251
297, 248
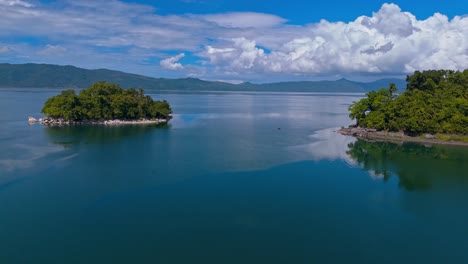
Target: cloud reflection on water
29, 156
329, 145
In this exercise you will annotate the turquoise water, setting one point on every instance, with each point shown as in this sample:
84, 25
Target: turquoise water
234, 178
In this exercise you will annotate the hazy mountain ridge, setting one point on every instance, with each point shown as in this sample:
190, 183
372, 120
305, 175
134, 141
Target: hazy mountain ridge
56, 76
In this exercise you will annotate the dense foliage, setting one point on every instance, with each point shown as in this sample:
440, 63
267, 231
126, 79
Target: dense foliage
435, 101
104, 100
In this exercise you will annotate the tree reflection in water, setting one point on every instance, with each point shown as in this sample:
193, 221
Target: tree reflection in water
417, 166
71, 135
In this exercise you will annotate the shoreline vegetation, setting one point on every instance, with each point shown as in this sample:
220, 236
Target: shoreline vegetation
433, 109
103, 103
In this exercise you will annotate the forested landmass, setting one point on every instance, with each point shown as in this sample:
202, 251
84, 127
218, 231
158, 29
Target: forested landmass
435, 101
56, 76
104, 100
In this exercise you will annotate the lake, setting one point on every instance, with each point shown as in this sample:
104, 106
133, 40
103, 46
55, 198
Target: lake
233, 178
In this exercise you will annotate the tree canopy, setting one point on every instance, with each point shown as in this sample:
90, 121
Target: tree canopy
104, 100
435, 101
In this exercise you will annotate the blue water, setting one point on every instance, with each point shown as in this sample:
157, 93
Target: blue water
233, 178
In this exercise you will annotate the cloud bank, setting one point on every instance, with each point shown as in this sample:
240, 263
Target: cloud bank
135, 38
391, 41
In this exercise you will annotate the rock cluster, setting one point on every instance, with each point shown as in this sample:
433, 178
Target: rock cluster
360, 132
370, 133
47, 121
55, 121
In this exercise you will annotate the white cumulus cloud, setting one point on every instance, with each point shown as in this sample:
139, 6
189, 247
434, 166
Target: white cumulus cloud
172, 62
391, 41
242, 55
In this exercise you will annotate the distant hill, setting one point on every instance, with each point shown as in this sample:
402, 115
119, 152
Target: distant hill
400, 84
55, 76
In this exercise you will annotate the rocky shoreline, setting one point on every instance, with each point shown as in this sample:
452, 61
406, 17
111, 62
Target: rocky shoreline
370, 134
47, 121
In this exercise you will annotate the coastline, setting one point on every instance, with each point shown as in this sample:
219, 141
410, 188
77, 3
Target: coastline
370, 134
46, 121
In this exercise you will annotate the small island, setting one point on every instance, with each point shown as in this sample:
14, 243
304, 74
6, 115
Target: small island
104, 103
432, 109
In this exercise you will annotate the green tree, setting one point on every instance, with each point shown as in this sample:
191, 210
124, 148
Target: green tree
66, 106
374, 110
434, 102
104, 100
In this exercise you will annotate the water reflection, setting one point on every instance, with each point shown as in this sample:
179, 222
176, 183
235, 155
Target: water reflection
418, 167
68, 136
21, 156
327, 144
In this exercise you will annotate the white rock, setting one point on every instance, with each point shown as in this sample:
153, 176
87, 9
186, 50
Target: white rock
32, 120
429, 136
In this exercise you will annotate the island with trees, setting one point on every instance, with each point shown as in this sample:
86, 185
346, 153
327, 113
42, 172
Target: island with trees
433, 108
104, 103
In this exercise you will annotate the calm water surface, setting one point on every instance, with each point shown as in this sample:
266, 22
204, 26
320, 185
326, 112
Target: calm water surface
234, 178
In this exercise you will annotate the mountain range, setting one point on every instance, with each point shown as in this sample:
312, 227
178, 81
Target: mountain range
57, 76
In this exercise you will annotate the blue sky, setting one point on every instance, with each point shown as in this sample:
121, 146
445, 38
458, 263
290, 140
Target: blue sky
239, 40
303, 12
